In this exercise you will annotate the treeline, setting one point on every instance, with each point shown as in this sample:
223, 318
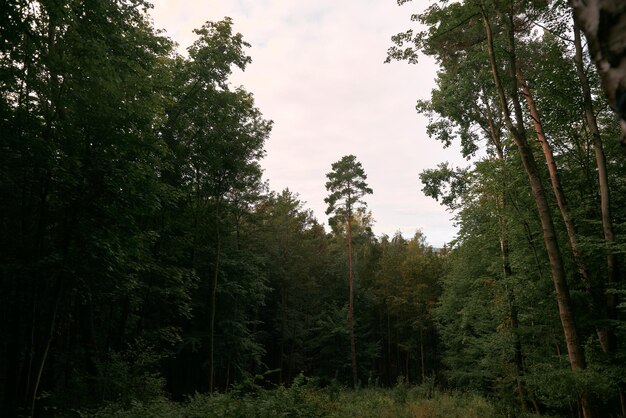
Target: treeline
532, 307
143, 256
141, 253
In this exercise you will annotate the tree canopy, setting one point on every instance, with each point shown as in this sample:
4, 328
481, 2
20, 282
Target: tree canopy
147, 269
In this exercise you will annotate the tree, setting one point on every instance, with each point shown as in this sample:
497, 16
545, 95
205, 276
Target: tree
406, 284
347, 186
603, 24
217, 135
470, 32
80, 161
129, 170
287, 235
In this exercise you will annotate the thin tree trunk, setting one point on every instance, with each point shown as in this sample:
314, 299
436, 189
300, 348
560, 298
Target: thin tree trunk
351, 305
406, 366
292, 352
555, 179
603, 182
87, 331
218, 251
507, 271
44, 355
283, 319
529, 235
227, 374
605, 336
560, 199
603, 24
389, 362
517, 346
196, 216
574, 348
423, 364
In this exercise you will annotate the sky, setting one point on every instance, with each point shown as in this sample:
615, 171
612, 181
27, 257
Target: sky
318, 72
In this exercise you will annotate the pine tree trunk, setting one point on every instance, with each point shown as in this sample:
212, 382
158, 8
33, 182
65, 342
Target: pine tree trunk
555, 179
351, 305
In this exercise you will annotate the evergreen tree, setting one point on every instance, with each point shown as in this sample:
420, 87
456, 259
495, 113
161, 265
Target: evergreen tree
347, 187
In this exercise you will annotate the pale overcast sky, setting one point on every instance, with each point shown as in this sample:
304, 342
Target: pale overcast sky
317, 71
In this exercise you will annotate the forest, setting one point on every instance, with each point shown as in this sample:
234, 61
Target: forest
147, 269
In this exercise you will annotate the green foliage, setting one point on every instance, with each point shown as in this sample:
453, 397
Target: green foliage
304, 400
458, 406
347, 186
496, 316
558, 387
301, 399
131, 376
124, 379
401, 390
121, 152
444, 183
141, 253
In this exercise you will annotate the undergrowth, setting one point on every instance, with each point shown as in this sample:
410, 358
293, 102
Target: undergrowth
304, 398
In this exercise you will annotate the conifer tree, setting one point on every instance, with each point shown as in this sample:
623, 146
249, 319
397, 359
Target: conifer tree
347, 186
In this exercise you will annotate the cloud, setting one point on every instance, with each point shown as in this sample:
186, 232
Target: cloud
318, 72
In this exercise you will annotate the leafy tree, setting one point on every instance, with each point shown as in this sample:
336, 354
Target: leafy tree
488, 104
407, 285
288, 237
80, 104
126, 165
217, 137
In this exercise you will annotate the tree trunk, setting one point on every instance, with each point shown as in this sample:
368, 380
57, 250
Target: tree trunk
574, 348
218, 250
351, 305
423, 364
389, 361
555, 179
46, 350
603, 23
283, 320
507, 271
406, 365
603, 181
517, 346
605, 335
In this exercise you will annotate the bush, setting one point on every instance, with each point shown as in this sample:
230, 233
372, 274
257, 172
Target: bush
121, 379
